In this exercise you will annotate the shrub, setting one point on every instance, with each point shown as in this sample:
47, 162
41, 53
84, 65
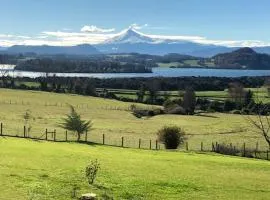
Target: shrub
216, 105
91, 171
175, 109
237, 112
171, 136
229, 105
226, 149
145, 112
234, 151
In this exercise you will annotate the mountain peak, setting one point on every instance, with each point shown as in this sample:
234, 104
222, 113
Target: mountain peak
130, 35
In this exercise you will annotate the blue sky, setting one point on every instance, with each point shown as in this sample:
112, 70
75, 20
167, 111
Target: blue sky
213, 19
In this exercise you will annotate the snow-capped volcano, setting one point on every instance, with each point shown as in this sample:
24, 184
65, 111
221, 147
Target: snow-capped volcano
130, 35
132, 41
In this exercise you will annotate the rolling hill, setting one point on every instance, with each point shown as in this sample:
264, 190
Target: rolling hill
243, 58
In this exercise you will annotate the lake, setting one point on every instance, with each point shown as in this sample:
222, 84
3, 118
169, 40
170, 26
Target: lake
157, 72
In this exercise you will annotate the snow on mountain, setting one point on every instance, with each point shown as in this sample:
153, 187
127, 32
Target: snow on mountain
129, 36
133, 36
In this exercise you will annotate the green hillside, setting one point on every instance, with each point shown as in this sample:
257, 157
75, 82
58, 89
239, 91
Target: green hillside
44, 170
113, 119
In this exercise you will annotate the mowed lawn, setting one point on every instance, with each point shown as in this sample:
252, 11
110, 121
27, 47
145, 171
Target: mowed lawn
46, 170
112, 118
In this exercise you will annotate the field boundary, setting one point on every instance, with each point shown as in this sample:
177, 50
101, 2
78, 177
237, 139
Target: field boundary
216, 147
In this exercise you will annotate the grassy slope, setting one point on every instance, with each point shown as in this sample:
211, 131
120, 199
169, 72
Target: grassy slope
117, 123
50, 170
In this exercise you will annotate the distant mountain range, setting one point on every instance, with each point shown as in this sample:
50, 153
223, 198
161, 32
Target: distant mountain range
132, 41
84, 49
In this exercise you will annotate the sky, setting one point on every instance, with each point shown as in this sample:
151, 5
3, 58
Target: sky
69, 22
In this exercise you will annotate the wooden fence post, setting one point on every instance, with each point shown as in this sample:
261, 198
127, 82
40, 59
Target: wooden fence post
267, 154
24, 131
213, 146
201, 146
1, 129
54, 135
122, 141
66, 137
103, 138
46, 134
244, 149
256, 149
86, 136
139, 143
187, 146
156, 145
150, 144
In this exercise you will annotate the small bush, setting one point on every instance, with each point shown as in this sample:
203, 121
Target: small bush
91, 171
171, 137
226, 149
146, 112
237, 112
234, 151
176, 110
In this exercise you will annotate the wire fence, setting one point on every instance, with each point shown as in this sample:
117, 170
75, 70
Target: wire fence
139, 143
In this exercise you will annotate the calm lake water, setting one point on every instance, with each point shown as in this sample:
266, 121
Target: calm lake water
157, 72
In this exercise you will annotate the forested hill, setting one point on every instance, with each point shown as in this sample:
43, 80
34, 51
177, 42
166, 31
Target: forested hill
243, 58
59, 65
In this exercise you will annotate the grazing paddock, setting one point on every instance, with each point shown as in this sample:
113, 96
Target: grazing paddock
114, 119
47, 170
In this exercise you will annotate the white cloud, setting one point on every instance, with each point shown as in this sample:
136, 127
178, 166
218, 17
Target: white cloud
137, 26
95, 29
95, 35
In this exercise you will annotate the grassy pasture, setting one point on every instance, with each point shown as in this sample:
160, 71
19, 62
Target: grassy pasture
260, 94
45, 170
184, 63
113, 119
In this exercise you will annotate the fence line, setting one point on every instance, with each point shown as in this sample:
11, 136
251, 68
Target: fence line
61, 104
143, 144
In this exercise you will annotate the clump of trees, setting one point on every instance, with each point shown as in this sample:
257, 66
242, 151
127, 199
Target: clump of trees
74, 123
171, 136
185, 106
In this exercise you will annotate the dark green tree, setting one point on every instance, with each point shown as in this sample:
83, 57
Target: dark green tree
189, 101
141, 93
74, 123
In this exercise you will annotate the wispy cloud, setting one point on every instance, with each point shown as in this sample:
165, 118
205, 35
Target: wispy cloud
137, 26
95, 29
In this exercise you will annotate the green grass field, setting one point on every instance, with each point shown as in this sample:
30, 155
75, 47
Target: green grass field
113, 119
260, 94
48, 171
185, 63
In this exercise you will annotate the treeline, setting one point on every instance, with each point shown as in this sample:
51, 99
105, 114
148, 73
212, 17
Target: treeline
80, 66
155, 83
148, 91
9, 59
168, 58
